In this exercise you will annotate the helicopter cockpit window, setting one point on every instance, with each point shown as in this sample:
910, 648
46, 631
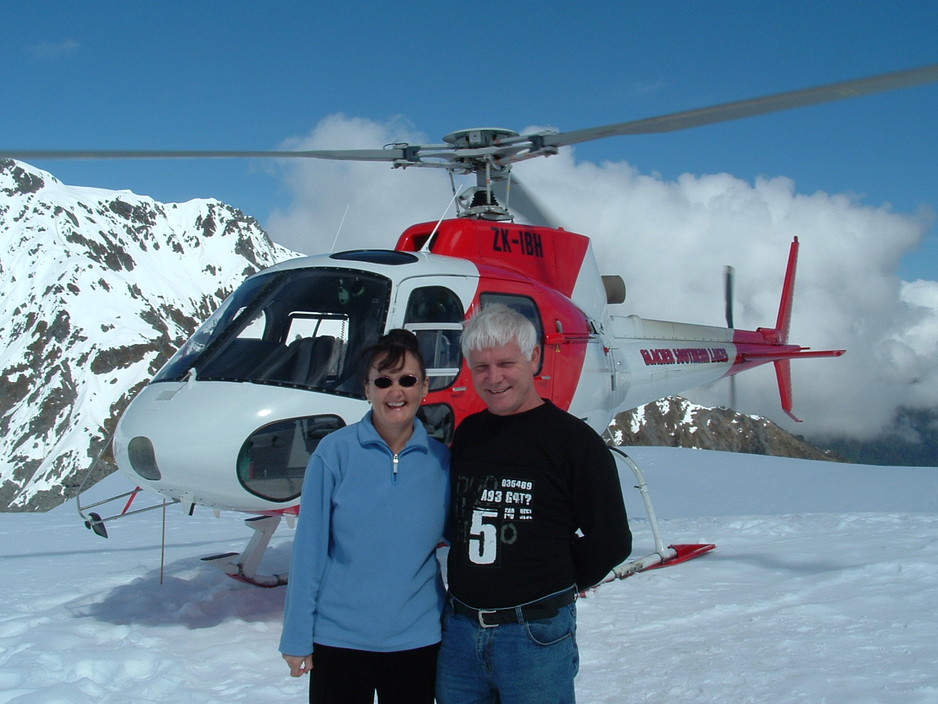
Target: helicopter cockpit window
304, 328
230, 314
435, 314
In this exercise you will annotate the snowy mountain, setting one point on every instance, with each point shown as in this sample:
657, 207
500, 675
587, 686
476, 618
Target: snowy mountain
97, 288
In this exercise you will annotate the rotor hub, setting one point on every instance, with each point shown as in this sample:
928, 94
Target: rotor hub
478, 137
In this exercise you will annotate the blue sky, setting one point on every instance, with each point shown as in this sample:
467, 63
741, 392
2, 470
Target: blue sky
856, 180
250, 75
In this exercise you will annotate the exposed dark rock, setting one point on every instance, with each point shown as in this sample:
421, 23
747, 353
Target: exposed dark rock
675, 422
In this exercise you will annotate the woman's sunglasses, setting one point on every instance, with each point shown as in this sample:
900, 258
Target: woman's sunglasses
384, 382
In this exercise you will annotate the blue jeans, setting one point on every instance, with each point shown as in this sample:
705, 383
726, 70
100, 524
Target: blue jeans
517, 663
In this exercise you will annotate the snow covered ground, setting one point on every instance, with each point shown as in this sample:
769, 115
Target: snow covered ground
822, 589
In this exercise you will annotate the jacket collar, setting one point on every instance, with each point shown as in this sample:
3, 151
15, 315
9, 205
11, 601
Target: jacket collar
368, 435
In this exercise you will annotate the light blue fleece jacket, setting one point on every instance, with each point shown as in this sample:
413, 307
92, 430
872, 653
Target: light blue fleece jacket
364, 573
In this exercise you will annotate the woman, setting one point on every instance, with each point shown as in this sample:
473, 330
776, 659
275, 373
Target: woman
365, 595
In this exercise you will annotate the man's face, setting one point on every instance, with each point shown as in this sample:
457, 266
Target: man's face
504, 378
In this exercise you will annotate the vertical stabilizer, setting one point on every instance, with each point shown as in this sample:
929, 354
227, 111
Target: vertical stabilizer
783, 324
782, 328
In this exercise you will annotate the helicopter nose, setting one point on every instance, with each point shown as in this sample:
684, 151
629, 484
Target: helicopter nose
251, 457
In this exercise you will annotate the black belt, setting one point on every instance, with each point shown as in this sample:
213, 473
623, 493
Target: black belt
533, 611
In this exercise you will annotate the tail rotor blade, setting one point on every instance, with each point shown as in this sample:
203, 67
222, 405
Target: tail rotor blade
729, 279
729, 275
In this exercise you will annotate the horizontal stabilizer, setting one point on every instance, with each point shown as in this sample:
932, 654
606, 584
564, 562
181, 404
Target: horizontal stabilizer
802, 353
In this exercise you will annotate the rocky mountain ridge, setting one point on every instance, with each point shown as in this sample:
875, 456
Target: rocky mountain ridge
97, 289
676, 422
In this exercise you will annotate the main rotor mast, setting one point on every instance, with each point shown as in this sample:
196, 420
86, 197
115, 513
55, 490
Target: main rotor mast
487, 152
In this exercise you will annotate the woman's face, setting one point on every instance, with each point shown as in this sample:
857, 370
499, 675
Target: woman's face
395, 406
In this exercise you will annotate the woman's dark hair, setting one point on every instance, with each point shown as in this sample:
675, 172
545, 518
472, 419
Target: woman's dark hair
392, 349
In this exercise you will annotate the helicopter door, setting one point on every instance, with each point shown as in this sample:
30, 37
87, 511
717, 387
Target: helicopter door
435, 314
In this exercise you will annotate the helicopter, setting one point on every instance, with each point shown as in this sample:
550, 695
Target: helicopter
230, 421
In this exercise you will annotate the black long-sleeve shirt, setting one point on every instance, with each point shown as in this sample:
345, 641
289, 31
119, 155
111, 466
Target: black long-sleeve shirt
537, 508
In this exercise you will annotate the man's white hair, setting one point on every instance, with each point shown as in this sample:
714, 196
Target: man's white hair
496, 325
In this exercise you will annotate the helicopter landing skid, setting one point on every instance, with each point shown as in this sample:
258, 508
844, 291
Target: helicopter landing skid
671, 555
663, 556
243, 566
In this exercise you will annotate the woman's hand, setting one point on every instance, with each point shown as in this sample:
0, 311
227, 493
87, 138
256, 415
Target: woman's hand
299, 665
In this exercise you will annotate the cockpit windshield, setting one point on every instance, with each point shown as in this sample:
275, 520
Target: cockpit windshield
299, 327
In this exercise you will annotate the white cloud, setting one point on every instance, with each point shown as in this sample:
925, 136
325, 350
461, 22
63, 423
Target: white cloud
670, 241
54, 50
365, 204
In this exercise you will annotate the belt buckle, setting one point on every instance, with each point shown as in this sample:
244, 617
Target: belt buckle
481, 616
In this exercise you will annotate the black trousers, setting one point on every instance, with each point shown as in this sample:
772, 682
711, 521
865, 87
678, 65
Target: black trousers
343, 676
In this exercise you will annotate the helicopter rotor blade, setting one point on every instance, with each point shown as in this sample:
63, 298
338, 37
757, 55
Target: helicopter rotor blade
749, 108
473, 151
513, 195
393, 154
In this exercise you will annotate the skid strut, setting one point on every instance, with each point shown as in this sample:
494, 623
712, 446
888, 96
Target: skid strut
663, 556
243, 566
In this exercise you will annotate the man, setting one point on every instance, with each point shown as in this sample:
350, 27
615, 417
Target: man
537, 517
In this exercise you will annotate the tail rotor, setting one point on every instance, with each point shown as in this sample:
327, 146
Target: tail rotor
729, 276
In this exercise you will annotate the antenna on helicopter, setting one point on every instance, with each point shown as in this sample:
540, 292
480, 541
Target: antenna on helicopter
338, 231
454, 199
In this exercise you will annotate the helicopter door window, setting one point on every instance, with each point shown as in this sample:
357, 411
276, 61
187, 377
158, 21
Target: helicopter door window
524, 305
439, 346
435, 314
